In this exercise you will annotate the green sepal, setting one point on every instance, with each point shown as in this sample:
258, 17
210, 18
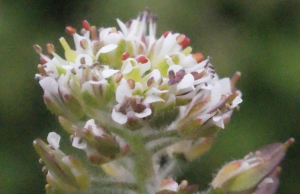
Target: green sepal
163, 114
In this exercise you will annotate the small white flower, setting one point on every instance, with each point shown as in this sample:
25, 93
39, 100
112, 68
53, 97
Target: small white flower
53, 140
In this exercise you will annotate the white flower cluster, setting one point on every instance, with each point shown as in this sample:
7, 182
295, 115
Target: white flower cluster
129, 71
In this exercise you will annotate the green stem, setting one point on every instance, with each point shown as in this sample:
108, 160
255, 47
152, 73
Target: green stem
163, 145
160, 135
114, 185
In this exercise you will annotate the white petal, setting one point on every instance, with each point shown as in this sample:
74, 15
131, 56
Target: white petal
49, 84
218, 120
127, 66
53, 140
106, 49
151, 99
186, 83
225, 85
119, 117
143, 114
109, 72
145, 67
90, 123
175, 68
122, 91
78, 143
98, 82
216, 93
236, 101
169, 184
123, 27
155, 74
155, 91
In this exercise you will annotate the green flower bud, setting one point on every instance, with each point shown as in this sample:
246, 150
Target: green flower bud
65, 173
245, 175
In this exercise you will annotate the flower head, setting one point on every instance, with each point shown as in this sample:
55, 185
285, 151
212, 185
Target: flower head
138, 78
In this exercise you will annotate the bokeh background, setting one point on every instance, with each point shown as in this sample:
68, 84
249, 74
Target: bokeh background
259, 38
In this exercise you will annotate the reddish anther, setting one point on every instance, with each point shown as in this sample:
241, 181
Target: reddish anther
198, 57
50, 48
182, 40
84, 44
37, 48
94, 33
43, 61
125, 56
131, 83
142, 59
167, 33
86, 25
150, 81
70, 30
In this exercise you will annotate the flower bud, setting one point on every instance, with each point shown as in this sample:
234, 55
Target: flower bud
247, 174
100, 145
65, 173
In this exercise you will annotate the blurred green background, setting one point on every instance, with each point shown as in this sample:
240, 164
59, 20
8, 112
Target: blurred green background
259, 38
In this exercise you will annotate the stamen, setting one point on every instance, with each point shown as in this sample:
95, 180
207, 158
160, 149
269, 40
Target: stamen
44, 169
70, 30
234, 79
125, 56
84, 44
131, 83
118, 77
198, 57
37, 48
142, 59
82, 61
150, 81
182, 40
165, 34
86, 25
50, 48
43, 61
42, 70
94, 34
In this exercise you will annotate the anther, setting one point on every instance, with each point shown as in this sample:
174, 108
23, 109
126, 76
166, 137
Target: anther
142, 59
44, 169
82, 61
94, 34
154, 18
182, 40
86, 25
118, 76
50, 48
43, 61
150, 81
37, 48
234, 79
70, 30
198, 57
84, 44
42, 70
180, 74
165, 34
146, 11
125, 56
131, 83
73, 71
71, 138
